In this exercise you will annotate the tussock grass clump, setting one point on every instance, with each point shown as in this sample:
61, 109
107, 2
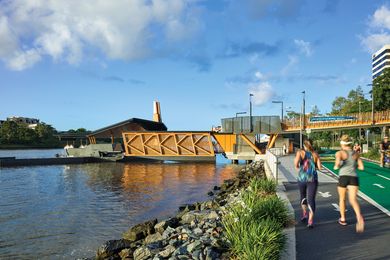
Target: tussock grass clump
263, 186
273, 208
254, 223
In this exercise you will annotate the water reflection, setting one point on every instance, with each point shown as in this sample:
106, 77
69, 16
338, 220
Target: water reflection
68, 211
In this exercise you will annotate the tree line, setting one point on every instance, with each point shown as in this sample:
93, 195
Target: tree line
42, 135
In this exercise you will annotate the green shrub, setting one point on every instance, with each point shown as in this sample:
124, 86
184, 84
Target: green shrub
254, 224
255, 240
273, 208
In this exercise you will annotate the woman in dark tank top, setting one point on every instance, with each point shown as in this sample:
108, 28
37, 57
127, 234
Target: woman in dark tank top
348, 161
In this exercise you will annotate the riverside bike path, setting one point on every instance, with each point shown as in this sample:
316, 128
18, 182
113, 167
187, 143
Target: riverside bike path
329, 240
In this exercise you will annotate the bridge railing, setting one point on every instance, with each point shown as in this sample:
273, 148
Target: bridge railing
365, 118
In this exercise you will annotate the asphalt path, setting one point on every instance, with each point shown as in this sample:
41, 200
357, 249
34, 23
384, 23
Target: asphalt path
328, 239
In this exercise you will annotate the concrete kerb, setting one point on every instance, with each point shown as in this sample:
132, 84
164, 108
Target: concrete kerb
289, 252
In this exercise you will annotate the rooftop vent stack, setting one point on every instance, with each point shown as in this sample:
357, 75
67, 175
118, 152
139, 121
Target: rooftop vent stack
156, 112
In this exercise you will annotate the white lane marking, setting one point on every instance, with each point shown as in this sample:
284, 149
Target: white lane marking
378, 185
383, 177
337, 208
325, 194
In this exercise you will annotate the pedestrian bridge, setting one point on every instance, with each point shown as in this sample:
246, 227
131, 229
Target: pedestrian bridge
350, 121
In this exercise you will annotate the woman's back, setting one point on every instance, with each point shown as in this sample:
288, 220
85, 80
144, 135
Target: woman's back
348, 168
307, 169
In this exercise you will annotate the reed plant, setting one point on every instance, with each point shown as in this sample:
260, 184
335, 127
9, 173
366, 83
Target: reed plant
254, 223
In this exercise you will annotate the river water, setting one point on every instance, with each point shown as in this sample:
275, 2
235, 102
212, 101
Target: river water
67, 211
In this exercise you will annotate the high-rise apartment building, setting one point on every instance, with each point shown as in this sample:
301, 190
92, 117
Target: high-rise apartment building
380, 61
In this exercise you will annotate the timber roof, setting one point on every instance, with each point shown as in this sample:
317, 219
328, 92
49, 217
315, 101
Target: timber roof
132, 124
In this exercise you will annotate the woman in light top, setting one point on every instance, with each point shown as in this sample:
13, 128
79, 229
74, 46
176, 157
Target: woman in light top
348, 161
306, 163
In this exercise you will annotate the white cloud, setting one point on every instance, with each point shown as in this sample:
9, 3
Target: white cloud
24, 59
259, 75
304, 47
7, 39
381, 18
292, 61
262, 93
379, 30
68, 30
374, 42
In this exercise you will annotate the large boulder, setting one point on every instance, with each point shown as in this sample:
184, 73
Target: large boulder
155, 239
142, 253
140, 231
171, 222
111, 248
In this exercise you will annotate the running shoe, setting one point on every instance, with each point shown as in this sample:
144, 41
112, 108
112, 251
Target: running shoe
342, 222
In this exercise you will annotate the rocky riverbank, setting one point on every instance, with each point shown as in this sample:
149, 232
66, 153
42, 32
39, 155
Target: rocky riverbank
196, 232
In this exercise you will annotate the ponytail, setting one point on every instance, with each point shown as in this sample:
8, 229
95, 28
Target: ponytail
308, 145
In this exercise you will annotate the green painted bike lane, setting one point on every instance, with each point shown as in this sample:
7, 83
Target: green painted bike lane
374, 182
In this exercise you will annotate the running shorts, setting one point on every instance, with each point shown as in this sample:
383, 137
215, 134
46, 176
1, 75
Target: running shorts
344, 181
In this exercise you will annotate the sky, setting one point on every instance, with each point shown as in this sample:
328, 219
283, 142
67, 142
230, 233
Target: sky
88, 64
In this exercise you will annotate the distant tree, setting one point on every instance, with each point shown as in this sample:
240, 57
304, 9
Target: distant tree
81, 130
44, 131
19, 133
9, 132
351, 104
381, 91
315, 111
293, 115
321, 139
26, 135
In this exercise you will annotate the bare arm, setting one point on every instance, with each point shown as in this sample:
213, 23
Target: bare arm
337, 162
297, 160
360, 164
318, 161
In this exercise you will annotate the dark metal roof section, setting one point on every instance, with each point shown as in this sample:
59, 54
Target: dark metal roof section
132, 124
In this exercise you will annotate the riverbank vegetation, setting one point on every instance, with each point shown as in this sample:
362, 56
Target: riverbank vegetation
18, 136
254, 223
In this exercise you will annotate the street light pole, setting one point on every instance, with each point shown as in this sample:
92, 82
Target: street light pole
372, 102
360, 130
250, 111
302, 117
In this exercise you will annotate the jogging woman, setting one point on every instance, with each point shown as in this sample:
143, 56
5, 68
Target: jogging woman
347, 161
307, 162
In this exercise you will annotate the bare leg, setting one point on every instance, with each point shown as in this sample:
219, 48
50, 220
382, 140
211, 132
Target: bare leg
352, 196
342, 194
